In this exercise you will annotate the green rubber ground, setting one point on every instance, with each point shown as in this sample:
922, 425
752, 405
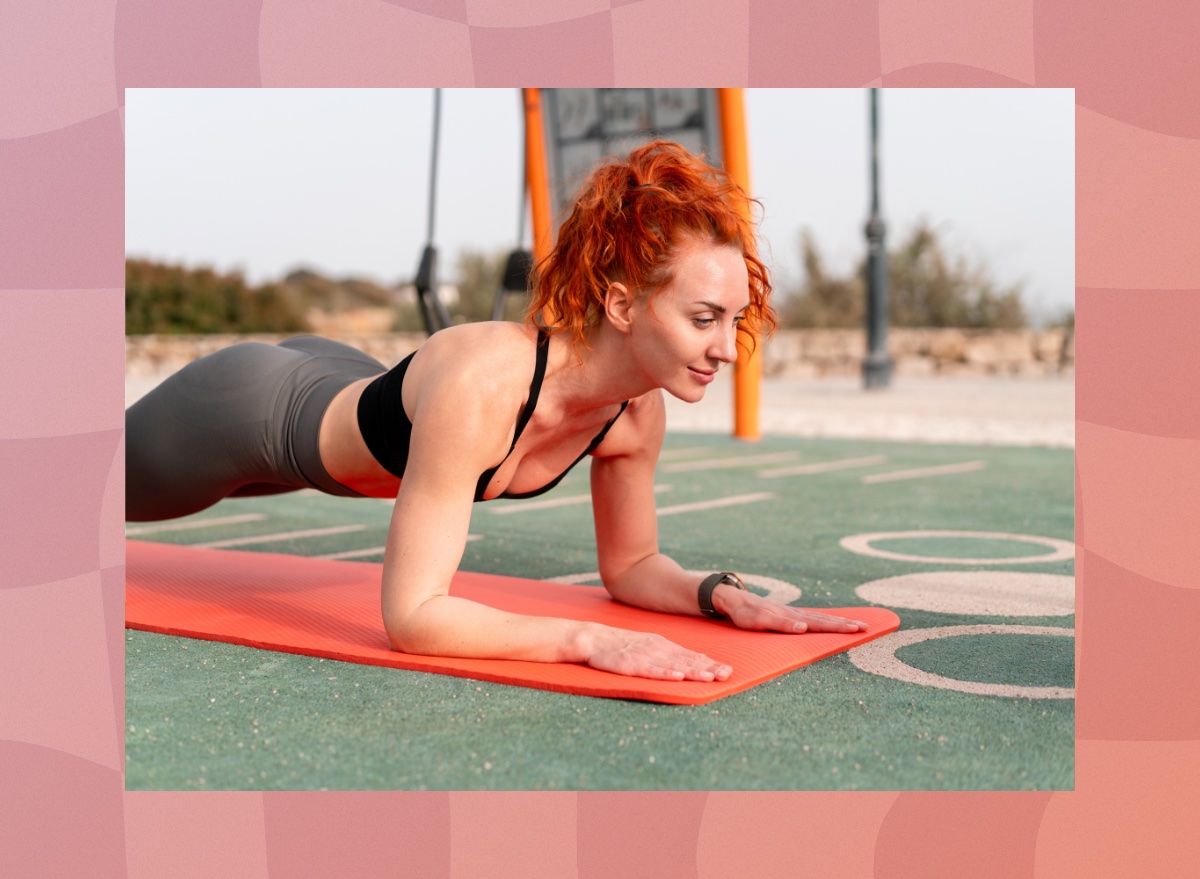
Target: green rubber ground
206, 715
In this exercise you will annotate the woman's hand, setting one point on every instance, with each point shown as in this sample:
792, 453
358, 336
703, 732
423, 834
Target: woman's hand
647, 655
749, 611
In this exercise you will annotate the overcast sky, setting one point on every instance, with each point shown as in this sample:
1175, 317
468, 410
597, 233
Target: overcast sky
266, 180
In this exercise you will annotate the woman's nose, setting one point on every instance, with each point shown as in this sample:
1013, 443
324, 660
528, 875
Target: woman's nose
724, 348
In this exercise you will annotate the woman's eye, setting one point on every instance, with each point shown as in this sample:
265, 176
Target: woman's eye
703, 322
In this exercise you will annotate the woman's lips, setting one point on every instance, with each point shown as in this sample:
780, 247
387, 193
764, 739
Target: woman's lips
702, 377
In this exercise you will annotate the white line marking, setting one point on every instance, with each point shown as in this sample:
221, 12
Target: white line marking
822, 467
352, 553
371, 550
541, 505
965, 467
527, 506
571, 579
672, 454
287, 535
724, 463
715, 504
199, 523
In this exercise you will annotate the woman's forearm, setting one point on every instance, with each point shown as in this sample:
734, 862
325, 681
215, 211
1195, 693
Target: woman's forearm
445, 625
449, 626
657, 582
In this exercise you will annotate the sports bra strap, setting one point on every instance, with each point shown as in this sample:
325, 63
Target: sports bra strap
535, 388
539, 374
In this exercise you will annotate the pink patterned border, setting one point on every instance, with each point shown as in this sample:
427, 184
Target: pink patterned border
62, 79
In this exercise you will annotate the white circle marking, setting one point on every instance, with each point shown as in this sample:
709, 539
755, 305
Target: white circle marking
879, 657
987, 593
861, 544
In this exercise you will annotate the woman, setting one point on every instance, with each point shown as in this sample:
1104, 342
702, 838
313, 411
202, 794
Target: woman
654, 273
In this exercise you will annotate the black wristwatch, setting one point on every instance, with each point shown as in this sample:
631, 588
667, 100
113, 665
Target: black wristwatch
711, 582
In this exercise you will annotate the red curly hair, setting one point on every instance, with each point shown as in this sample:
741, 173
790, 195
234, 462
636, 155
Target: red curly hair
629, 222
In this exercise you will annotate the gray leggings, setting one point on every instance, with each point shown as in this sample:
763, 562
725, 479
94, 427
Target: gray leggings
242, 421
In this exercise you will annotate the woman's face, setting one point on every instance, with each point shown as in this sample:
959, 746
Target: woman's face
687, 331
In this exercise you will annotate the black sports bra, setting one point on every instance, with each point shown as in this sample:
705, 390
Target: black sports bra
387, 431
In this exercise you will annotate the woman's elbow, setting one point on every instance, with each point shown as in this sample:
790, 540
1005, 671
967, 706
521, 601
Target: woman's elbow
616, 575
399, 636
409, 629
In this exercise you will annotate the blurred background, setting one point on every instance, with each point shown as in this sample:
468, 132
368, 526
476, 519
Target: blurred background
309, 187
284, 211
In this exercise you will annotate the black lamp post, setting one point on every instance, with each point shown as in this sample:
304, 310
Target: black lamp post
877, 365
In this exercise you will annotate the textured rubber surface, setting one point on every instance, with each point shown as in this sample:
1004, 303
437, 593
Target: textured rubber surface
330, 609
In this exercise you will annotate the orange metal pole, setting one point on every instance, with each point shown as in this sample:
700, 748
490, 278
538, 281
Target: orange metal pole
747, 376
536, 175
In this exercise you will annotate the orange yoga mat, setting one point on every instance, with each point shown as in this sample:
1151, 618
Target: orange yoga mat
331, 609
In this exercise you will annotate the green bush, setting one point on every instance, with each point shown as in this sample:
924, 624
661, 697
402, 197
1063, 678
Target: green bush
478, 276
823, 302
172, 299
927, 287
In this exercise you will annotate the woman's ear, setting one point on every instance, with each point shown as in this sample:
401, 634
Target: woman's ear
618, 306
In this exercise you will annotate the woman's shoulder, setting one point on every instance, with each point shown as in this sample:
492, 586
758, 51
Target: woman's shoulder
482, 342
492, 359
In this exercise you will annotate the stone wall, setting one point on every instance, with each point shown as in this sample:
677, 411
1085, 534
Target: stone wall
793, 353
151, 356
923, 352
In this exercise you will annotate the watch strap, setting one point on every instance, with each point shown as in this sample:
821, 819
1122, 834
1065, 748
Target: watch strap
711, 582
